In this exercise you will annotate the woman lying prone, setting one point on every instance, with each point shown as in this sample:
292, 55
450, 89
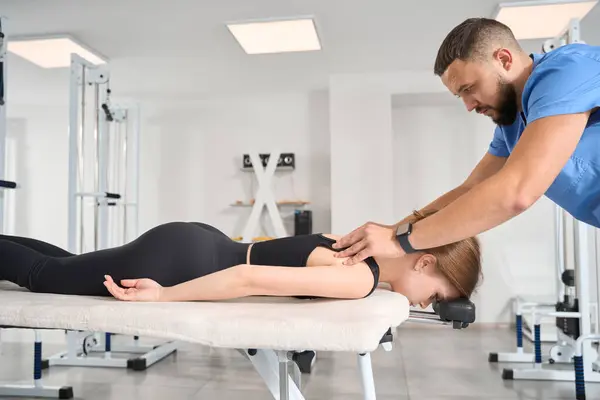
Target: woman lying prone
188, 261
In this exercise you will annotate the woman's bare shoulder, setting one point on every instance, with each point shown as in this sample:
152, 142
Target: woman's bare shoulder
332, 236
323, 256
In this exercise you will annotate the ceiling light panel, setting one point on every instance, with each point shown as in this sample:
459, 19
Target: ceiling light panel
541, 19
264, 37
52, 52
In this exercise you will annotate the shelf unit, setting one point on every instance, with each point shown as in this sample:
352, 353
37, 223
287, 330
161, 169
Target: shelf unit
264, 166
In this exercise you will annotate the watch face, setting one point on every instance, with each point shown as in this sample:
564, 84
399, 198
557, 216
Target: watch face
402, 230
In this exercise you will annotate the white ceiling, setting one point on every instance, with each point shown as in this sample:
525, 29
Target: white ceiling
182, 48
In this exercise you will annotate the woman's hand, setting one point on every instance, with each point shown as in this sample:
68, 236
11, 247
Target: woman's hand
136, 289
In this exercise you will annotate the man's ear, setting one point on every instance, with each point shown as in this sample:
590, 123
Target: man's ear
505, 58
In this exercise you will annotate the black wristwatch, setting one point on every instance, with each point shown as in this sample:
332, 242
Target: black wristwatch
402, 233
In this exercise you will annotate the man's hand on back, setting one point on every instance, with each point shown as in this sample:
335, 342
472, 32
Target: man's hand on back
369, 240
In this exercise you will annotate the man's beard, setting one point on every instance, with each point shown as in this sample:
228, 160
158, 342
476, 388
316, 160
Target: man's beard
507, 109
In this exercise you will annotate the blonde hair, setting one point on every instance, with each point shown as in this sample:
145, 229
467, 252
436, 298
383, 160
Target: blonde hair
459, 262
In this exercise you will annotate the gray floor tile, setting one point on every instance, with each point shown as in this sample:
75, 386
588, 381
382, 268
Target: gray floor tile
388, 381
551, 390
433, 381
232, 394
82, 391
427, 363
143, 392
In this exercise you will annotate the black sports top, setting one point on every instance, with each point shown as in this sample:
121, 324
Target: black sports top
293, 251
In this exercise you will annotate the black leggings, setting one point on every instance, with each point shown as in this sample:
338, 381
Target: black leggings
170, 254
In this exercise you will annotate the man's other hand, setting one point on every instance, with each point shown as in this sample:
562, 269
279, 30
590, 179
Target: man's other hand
369, 240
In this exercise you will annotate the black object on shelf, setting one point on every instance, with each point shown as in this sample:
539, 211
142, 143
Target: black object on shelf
286, 161
302, 222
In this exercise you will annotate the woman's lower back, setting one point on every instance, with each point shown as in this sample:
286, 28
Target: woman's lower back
170, 254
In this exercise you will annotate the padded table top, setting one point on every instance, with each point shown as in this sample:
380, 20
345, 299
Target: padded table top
278, 323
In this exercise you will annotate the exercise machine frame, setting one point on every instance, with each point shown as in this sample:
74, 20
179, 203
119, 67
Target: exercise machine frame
4, 184
82, 345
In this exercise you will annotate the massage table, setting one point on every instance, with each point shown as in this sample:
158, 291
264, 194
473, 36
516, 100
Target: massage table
269, 331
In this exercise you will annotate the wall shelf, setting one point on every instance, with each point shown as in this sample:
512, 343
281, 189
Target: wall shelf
264, 167
279, 203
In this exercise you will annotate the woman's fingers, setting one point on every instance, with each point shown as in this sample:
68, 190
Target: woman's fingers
115, 290
129, 282
111, 289
133, 289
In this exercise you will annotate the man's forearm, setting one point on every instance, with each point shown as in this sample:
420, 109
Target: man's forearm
483, 207
438, 203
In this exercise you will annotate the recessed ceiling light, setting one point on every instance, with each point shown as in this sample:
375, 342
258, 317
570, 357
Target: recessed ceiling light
280, 36
52, 52
542, 19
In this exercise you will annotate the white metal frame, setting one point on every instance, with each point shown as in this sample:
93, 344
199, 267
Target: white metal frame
572, 34
549, 332
3, 122
10, 200
37, 388
523, 308
4, 204
75, 356
83, 74
274, 365
519, 355
264, 197
274, 368
589, 353
125, 137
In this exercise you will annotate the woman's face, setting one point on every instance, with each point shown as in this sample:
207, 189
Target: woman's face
419, 280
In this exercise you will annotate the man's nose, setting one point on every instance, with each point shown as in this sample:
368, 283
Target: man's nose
470, 104
425, 304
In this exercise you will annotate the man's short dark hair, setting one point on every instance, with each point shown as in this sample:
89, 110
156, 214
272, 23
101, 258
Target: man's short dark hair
471, 40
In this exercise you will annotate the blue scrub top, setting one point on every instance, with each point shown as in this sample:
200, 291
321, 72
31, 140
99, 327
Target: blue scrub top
564, 81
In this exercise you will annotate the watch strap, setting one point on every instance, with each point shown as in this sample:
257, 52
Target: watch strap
405, 244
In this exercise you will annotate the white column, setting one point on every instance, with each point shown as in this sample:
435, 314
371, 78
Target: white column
361, 152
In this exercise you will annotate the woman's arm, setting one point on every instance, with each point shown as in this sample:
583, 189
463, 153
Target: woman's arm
257, 280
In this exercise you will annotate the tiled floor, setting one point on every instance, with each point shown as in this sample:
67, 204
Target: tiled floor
427, 363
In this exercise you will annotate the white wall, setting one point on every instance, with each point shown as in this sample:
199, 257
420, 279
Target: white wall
435, 149
200, 156
362, 173
361, 157
190, 161
40, 135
